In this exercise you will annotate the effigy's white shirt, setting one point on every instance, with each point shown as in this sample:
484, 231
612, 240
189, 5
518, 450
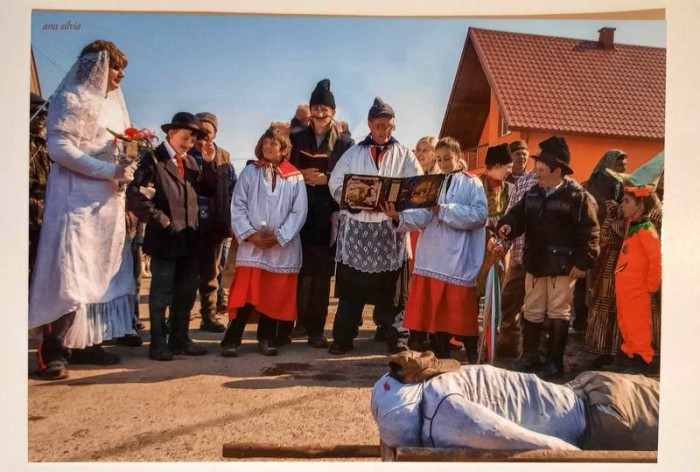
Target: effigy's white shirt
282, 211
479, 407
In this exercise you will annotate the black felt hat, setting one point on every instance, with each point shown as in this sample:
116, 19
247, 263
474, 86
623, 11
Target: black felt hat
184, 120
498, 155
322, 94
555, 152
379, 108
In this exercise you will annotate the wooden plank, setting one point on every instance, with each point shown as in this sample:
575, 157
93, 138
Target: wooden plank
426, 454
279, 451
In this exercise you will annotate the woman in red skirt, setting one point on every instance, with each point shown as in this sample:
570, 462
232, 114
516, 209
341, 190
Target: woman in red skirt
267, 212
442, 293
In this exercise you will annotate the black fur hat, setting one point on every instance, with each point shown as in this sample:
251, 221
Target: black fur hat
322, 94
498, 155
379, 108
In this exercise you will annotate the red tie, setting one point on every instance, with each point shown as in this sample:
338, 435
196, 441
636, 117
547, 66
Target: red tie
180, 166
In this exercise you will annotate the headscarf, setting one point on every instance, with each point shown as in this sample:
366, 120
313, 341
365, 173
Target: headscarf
600, 184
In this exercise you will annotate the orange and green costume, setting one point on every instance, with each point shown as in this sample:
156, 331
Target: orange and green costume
637, 276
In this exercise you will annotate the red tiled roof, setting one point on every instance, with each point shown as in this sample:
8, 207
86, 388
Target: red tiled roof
570, 85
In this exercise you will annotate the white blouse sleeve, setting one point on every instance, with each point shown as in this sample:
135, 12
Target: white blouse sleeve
415, 218
242, 228
63, 150
467, 216
296, 218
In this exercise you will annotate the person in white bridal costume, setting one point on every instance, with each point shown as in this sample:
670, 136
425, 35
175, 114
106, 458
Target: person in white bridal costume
82, 289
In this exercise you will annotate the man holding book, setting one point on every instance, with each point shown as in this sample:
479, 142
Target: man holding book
370, 254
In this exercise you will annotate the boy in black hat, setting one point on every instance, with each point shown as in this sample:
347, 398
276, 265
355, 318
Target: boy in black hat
171, 235
315, 150
561, 231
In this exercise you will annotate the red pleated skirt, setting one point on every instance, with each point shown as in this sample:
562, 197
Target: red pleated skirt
272, 294
436, 306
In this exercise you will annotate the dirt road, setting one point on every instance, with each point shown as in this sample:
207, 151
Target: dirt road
185, 410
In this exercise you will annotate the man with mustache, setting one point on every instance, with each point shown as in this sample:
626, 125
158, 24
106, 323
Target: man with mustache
315, 150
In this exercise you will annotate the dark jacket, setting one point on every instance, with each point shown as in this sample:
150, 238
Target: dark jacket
561, 231
215, 211
172, 216
305, 155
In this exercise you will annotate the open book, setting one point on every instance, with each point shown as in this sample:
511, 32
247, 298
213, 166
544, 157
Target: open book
368, 192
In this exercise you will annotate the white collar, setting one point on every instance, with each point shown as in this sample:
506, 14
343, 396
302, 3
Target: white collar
169, 148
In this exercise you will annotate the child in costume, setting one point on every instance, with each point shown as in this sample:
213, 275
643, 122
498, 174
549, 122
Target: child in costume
267, 212
638, 268
450, 250
637, 276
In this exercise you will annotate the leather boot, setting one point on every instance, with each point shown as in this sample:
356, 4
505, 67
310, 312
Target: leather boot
211, 324
558, 335
158, 350
530, 358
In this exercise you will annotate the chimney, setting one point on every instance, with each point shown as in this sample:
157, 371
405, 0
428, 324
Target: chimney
606, 38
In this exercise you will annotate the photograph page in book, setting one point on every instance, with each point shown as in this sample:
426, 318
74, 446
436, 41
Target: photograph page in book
368, 192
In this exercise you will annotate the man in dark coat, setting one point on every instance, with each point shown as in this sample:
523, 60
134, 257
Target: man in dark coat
214, 221
164, 194
561, 231
315, 150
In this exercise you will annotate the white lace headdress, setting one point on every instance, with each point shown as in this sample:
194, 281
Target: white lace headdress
76, 104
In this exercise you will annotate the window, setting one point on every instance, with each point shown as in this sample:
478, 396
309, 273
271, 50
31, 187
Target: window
502, 125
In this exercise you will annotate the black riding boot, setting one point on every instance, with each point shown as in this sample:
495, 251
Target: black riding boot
558, 334
530, 358
158, 349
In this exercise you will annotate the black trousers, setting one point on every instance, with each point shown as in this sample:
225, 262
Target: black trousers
313, 298
348, 319
269, 329
173, 284
209, 260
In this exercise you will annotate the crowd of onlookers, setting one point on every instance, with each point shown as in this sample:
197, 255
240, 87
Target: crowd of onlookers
264, 245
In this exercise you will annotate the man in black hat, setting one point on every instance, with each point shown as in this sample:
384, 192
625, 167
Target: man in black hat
370, 254
315, 150
171, 239
561, 231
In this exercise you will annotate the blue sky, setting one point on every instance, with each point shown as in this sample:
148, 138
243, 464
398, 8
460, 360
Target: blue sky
251, 70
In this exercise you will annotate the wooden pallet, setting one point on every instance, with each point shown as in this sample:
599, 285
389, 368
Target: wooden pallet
426, 454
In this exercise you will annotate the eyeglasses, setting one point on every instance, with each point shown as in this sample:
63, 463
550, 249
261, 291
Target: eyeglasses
383, 127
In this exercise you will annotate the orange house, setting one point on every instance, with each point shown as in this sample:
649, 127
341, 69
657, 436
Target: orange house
598, 95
